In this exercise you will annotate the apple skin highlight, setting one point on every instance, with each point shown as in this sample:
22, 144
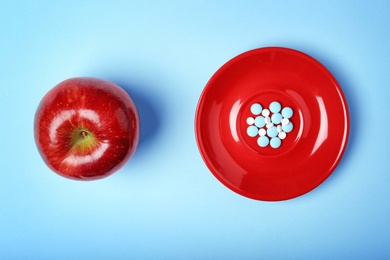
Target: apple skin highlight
86, 128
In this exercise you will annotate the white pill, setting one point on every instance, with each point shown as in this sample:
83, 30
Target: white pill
285, 121
250, 120
267, 120
269, 125
279, 128
262, 132
282, 135
265, 112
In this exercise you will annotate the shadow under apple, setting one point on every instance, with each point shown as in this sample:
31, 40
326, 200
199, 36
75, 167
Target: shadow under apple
150, 111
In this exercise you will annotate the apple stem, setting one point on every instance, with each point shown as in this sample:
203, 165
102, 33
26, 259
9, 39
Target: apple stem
82, 140
83, 134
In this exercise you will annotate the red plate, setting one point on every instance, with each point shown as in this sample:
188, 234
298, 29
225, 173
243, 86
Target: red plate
309, 153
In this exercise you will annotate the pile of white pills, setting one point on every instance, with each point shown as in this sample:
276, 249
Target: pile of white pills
269, 125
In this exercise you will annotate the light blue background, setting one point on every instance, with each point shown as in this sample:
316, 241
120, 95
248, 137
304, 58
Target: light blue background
165, 204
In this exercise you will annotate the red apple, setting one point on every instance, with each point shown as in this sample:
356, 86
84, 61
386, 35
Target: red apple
86, 128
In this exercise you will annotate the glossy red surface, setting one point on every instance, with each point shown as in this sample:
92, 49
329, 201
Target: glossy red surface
310, 152
102, 108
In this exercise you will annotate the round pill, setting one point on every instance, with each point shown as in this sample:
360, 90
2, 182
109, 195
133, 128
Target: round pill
262, 132
259, 121
275, 107
287, 112
279, 128
252, 131
275, 142
269, 125
250, 120
288, 128
272, 131
256, 109
282, 135
276, 118
265, 112
263, 141
285, 121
